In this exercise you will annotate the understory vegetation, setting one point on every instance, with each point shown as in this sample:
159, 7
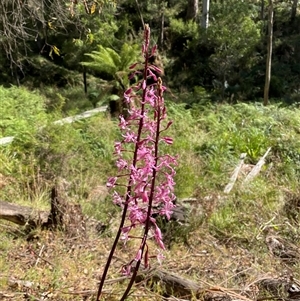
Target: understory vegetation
235, 231
223, 239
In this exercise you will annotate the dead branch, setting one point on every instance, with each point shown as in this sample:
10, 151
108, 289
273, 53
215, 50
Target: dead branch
177, 286
174, 285
256, 169
235, 173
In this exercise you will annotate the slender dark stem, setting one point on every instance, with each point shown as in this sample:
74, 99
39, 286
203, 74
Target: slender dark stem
112, 251
154, 171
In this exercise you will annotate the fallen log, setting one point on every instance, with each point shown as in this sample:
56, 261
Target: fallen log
23, 215
63, 215
172, 284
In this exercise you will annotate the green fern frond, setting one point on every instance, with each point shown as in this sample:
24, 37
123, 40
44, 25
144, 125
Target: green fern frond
115, 57
128, 54
109, 61
104, 60
100, 64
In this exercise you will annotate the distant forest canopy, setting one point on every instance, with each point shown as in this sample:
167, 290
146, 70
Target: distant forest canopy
215, 49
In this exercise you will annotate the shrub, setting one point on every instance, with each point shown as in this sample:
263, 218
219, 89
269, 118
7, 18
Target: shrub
22, 112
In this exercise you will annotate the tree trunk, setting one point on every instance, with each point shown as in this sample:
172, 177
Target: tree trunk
192, 10
205, 14
269, 54
162, 25
84, 80
294, 10
262, 10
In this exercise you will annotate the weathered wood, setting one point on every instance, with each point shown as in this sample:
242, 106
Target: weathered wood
256, 169
63, 215
23, 215
6, 140
176, 286
235, 174
269, 52
83, 115
173, 284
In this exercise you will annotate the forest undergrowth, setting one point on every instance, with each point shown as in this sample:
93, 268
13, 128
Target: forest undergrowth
242, 245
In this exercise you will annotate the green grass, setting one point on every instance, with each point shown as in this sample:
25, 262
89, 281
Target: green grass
208, 141
22, 112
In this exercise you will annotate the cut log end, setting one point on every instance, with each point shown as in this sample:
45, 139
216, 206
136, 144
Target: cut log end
63, 215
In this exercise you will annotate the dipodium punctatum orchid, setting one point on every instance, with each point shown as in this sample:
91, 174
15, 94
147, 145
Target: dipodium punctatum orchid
148, 174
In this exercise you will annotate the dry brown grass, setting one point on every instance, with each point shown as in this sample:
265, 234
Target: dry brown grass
225, 253
49, 266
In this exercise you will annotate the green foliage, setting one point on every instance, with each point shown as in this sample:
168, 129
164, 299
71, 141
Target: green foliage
109, 61
225, 51
240, 216
22, 112
97, 30
79, 154
43, 152
237, 38
232, 49
68, 100
77, 151
187, 134
43, 72
225, 220
185, 29
209, 141
250, 129
235, 34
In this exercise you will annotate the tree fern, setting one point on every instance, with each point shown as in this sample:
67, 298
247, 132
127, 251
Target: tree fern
116, 64
129, 55
103, 60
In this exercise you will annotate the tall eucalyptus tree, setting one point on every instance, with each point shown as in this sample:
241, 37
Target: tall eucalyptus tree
205, 14
192, 9
269, 53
